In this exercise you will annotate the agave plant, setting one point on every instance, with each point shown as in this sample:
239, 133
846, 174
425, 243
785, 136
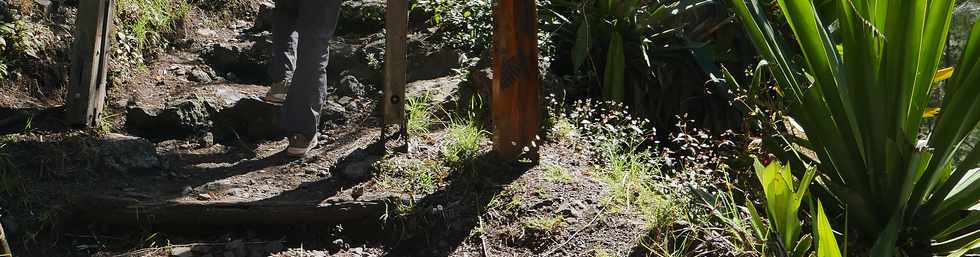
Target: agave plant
861, 95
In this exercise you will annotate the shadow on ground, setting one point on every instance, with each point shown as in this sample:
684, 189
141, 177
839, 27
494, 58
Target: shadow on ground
440, 223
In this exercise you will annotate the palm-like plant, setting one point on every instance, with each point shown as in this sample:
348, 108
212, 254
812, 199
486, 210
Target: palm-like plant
860, 93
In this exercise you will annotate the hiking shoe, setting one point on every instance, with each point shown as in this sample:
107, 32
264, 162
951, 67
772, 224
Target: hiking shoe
277, 93
300, 145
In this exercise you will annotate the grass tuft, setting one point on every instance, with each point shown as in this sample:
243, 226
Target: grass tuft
412, 176
463, 141
557, 173
545, 224
420, 114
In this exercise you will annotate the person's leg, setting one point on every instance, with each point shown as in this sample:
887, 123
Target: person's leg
301, 112
284, 39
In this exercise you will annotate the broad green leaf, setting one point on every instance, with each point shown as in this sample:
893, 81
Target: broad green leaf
583, 45
615, 73
826, 240
966, 249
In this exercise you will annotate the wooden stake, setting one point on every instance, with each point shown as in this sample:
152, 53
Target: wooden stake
396, 63
89, 62
515, 103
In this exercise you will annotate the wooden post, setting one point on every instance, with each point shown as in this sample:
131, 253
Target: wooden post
89, 62
396, 67
515, 103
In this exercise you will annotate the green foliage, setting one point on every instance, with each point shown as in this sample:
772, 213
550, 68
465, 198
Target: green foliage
557, 173
420, 114
463, 141
463, 24
17, 39
826, 240
143, 25
411, 176
861, 95
545, 224
607, 30
783, 200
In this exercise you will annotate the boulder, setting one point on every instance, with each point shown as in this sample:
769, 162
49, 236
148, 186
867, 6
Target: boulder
427, 64
186, 118
121, 153
247, 60
250, 119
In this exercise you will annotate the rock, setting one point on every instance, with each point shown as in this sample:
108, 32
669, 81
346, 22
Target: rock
344, 100
248, 61
339, 243
349, 86
429, 64
227, 97
361, 17
263, 20
206, 32
181, 251
361, 169
274, 247
250, 119
363, 62
184, 119
203, 197
441, 91
200, 76
120, 153
965, 15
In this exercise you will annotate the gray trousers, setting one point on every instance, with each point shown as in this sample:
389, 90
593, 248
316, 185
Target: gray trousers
301, 33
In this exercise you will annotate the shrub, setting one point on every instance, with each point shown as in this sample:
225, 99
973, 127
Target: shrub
860, 94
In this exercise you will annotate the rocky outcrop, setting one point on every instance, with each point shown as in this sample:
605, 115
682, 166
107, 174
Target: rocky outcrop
964, 16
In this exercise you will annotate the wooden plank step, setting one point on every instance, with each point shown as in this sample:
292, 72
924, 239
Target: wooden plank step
132, 212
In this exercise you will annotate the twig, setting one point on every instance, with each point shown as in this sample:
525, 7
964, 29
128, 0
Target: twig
594, 219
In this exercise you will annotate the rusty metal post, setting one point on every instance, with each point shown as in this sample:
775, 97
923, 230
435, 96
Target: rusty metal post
90, 58
396, 69
515, 102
